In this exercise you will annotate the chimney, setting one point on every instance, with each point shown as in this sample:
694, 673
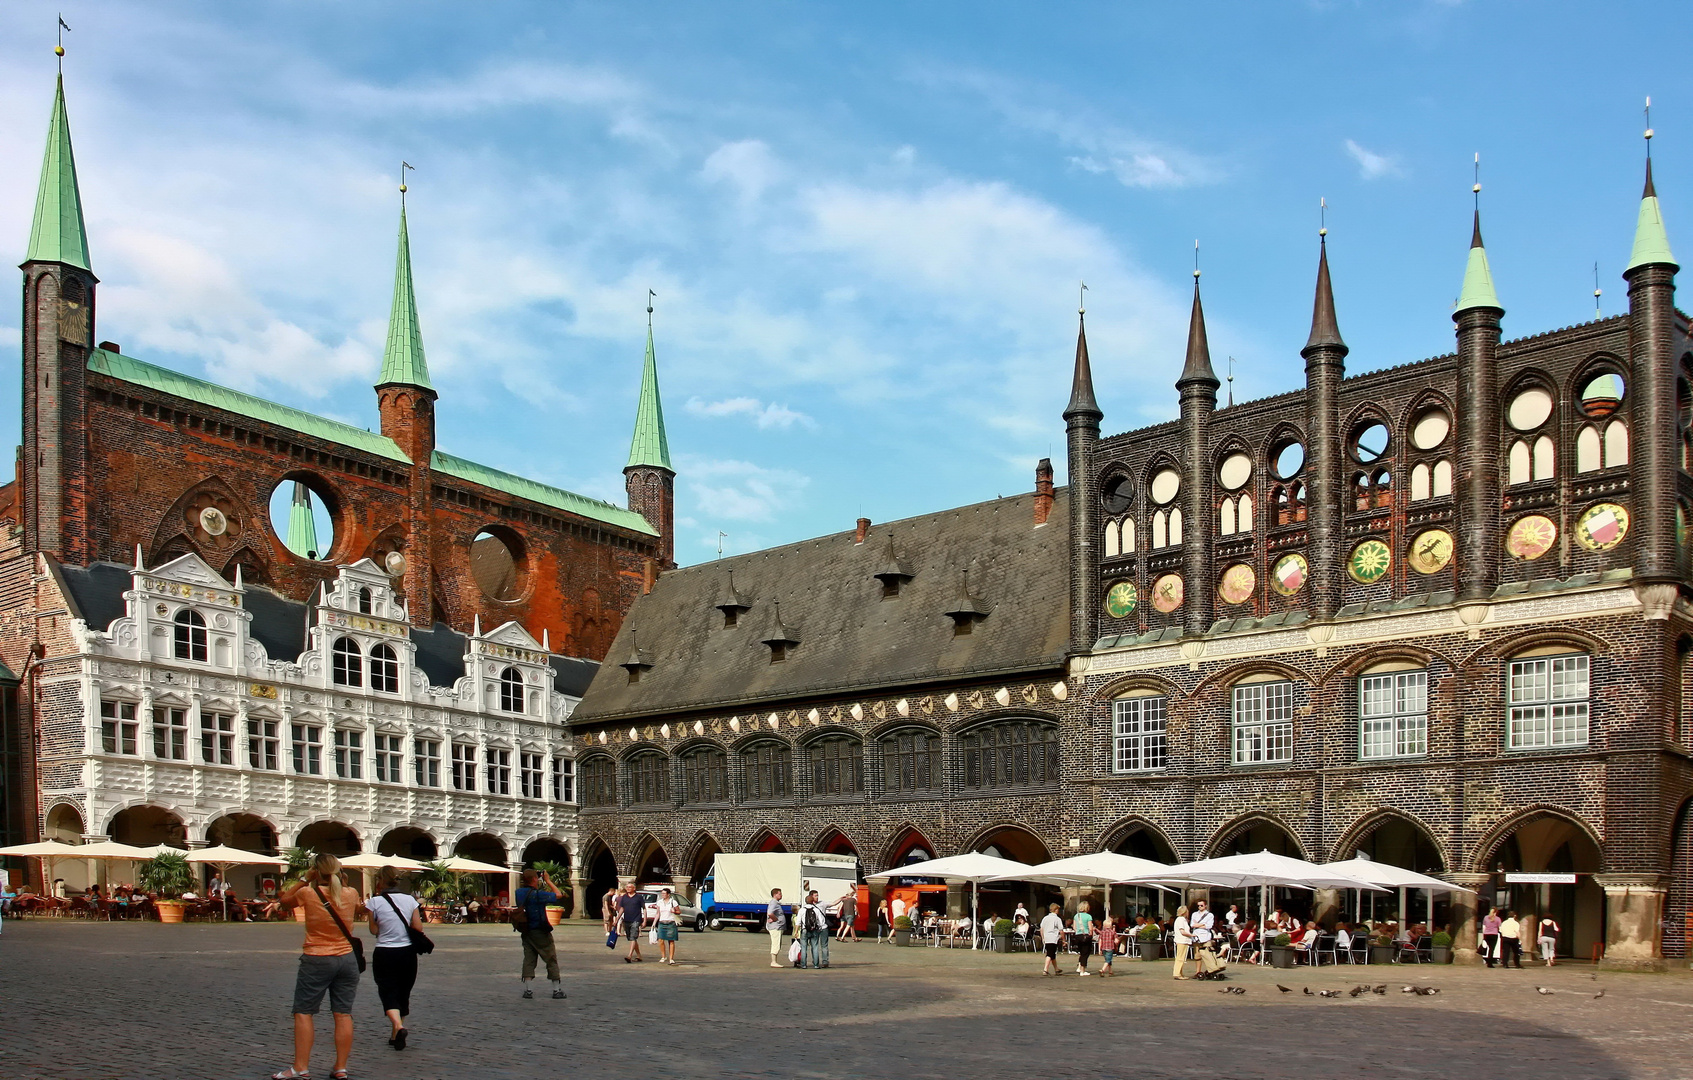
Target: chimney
1043, 491
863, 530
649, 576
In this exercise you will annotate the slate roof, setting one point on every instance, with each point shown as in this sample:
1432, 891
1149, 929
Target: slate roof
850, 638
95, 593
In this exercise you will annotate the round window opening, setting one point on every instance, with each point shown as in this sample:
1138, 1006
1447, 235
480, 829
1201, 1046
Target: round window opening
1370, 442
1118, 496
1529, 409
496, 562
1602, 395
1166, 485
301, 515
1431, 429
1289, 458
1234, 472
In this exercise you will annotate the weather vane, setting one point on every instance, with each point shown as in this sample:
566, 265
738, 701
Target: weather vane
650, 295
721, 536
1475, 189
1231, 380
1648, 123
1082, 300
59, 49
1196, 260
1596, 291
1322, 217
403, 167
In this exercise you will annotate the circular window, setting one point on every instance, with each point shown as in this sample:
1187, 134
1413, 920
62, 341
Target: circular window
1431, 429
1235, 471
1529, 409
1118, 496
1289, 458
1369, 442
1602, 394
301, 514
496, 562
1166, 485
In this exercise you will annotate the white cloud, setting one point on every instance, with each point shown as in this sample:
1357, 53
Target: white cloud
765, 416
739, 491
748, 166
1372, 166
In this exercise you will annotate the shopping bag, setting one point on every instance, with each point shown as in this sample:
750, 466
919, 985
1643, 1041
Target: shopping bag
794, 953
611, 940
652, 936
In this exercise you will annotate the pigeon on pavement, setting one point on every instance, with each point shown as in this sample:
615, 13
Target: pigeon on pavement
1308, 992
1328, 993
1599, 995
1543, 990
1381, 989
1284, 989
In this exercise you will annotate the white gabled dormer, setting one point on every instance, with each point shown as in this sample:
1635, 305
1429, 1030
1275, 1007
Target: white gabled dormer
511, 670
185, 612
359, 638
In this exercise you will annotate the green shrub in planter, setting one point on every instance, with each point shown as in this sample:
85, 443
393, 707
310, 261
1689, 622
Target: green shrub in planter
167, 875
1149, 932
902, 923
1441, 948
1283, 941
1002, 928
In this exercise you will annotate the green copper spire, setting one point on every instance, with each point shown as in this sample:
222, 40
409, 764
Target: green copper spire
402, 360
58, 234
650, 446
302, 526
1478, 279
1651, 242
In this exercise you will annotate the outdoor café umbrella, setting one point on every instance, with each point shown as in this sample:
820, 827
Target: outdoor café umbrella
48, 851
223, 857
972, 866
372, 861
460, 865
1388, 876
1100, 868
1262, 870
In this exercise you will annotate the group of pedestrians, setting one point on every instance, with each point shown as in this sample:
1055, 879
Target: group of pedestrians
625, 910
1502, 939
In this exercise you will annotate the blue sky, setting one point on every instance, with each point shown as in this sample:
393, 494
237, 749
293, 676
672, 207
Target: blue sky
865, 222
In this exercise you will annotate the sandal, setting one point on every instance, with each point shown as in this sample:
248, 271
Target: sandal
338, 1074
290, 1074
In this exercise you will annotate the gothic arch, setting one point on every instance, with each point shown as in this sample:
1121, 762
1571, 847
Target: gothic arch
828, 731
182, 521
1598, 364
1025, 844
1484, 851
1421, 403
1506, 647
765, 840
1227, 677
907, 838
1372, 820
647, 856
1355, 665
697, 855
997, 715
1526, 379
1232, 830
834, 840
1282, 433
1140, 680
173, 548
254, 570
1123, 828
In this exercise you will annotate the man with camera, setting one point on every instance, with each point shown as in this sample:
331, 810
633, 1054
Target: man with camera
537, 931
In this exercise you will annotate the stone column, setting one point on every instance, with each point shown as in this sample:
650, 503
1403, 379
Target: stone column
681, 887
579, 898
1465, 914
957, 899
514, 873
1634, 906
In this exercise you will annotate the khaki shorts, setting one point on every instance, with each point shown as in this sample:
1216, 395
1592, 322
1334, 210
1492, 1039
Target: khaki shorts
338, 976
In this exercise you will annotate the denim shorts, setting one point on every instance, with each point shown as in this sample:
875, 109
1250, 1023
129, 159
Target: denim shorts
338, 976
667, 931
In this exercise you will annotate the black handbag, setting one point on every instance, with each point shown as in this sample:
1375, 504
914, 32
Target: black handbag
419, 940
358, 946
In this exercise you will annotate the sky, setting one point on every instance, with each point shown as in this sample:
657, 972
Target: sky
866, 224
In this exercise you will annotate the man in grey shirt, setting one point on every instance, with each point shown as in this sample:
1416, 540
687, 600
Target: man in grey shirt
773, 918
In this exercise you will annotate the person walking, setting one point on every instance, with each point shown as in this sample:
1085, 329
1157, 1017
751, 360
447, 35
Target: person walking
1202, 925
393, 961
1511, 941
608, 915
1490, 936
1183, 940
1547, 939
849, 916
1107, 944
774, 918
1081, 929
631, 913
665, 921
814, 948
1051, 936
533, 895
327, 963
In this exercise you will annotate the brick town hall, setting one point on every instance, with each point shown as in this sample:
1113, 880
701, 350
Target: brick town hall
1436, 613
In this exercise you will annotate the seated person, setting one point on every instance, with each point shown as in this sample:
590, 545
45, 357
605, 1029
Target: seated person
1306, 939
1342, 937
1247, 942
1020, 926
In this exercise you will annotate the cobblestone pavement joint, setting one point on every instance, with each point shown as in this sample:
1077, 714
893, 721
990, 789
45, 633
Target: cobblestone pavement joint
139, 1001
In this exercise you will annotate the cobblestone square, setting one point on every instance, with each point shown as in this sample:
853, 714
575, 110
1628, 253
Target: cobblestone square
93, 1001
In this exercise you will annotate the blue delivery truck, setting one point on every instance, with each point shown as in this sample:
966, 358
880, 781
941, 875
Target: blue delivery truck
737, 890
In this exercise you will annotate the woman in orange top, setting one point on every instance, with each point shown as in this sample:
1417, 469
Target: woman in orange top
327, 964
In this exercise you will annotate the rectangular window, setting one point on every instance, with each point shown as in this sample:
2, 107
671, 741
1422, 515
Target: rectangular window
649, 779
308, 749
564, 780
428, 762
217, 738
1263, 723
499, 772
118, 727
1548, 702
387, 754
911, 763
766, 769
599, 782
1393, 714
349, 754
263, 749
464, 767
1010, 754
529, 775
170, 734
1138, 734
837, 767
705, 777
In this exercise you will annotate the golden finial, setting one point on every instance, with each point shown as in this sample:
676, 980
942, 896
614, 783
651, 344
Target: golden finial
59, 49
1082, 299
1322, 217
1475, 189
403, 167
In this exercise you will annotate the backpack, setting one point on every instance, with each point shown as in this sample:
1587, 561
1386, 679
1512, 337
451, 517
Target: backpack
814, 918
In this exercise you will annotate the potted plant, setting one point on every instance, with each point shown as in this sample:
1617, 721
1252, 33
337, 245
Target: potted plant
437, 887
560, 875
1381, 948
299, 861
1002, 935
1442, 947
1148, 941
167, 876
902, 930
1281, 951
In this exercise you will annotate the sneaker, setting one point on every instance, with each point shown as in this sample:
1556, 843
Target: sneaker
528, 993
558, 995
774, 964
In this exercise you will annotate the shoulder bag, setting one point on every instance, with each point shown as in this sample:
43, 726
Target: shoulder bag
358, 946
419, 940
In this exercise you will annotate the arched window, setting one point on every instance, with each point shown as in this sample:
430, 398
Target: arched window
1176, 525
1420, 485
190, 635
1128, 536
1588, 455
1113, 540
911, 762
1520, 467
347, 668
1544, 463
766, 772
1245, 513
1226, 518
1160, 530
384, 670
705, 775
1393, 711
1547, 697
649, 778
1010, 753
598, 777
1442, 479
511, 690
364, 601
1616, 444
837, 766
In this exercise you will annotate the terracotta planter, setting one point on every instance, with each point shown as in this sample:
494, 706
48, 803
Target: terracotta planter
170, 911
555, 913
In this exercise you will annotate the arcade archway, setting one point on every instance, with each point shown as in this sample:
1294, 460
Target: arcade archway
999, 899
1546, 842
333, 837
652, 865
602, 876
1397, 841
145, 826
1144, 842
64, 823
409, 842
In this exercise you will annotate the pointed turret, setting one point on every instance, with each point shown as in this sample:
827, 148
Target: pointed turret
650, 445
1478, 277
302, 525
1324, 330
1198, 366
1082, 401
649, 477
1651, 242
57, 234
1325, 368
403, 363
